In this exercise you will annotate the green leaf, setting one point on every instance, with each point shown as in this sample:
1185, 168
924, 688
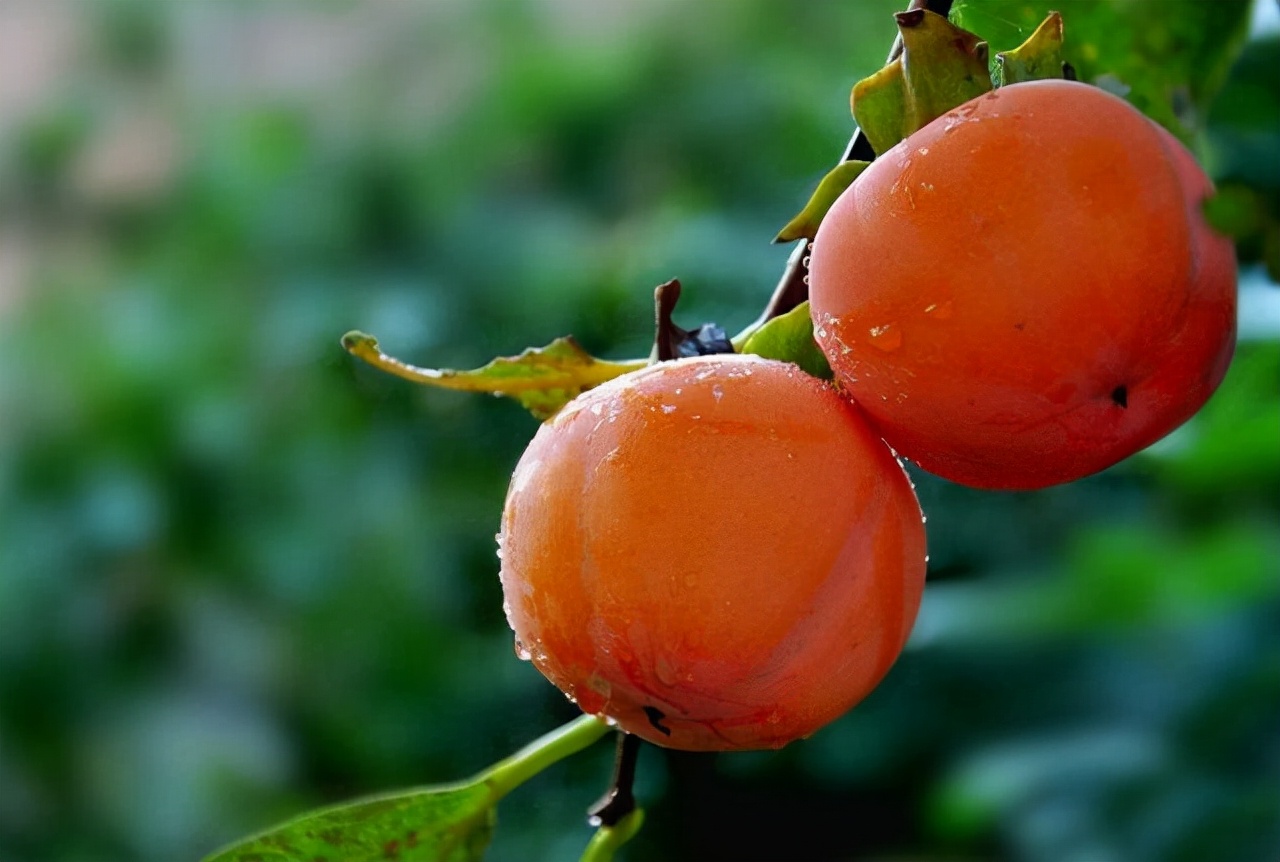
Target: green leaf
940, 68
1168, 58
543, 379
1036, 59
839, 178
789, 337
445, 823
442, 823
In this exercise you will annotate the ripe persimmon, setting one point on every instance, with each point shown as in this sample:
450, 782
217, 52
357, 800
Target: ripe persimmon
715, 553
1024, 291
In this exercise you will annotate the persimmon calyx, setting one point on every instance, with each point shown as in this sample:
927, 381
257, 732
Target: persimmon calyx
542, 379
941, 67
1038, 58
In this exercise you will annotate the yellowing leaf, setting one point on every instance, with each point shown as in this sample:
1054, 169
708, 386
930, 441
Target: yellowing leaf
543, 379
805, 225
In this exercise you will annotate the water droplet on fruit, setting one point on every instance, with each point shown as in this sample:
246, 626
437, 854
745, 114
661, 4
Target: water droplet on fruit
717, 392
668, 408
597, 408
924, 151
939, 310
887, 337
522, 651
804, 261
594, 821
928, 187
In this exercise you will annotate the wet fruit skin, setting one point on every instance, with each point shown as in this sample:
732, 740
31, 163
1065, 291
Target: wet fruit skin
1024, 291
717, 553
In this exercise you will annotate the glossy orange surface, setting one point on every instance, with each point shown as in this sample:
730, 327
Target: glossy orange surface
718, 553
1024, 292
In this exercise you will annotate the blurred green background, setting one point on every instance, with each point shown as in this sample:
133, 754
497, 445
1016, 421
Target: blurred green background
241, 576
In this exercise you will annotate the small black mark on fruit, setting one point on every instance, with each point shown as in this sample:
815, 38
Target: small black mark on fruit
655, 717
1019, 326
1120, 395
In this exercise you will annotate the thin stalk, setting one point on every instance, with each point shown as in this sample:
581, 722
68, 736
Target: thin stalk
506, 775
608, 839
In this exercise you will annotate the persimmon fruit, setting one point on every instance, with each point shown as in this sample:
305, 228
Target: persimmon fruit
1024, 291
717, 553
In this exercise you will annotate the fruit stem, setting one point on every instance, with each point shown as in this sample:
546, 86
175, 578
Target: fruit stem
618, 801
609, 838
671, 341
508, 774
792, 289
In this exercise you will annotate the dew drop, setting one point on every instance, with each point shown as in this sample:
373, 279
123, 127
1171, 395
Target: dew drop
522, 651
939, 310
717, 392
924, 151
668, 408
887, 337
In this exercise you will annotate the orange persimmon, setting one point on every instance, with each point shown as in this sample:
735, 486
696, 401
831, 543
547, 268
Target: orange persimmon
1024, 291
715, 553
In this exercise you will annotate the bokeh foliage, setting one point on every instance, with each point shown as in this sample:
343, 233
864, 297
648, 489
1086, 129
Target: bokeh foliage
241, 576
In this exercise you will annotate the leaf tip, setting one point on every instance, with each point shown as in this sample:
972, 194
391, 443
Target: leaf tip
356, 340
